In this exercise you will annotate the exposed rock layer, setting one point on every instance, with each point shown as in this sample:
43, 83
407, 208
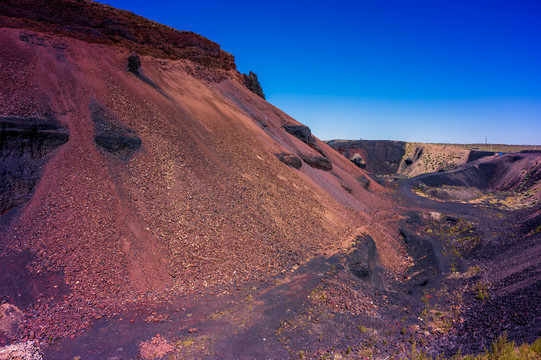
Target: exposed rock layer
111, 134
24, 146
378, 157
93, 22
385, 157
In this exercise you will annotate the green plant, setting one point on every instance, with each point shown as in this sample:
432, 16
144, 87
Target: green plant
536, 346
363, 329
501, 349
472, 270
481, 290
536, 230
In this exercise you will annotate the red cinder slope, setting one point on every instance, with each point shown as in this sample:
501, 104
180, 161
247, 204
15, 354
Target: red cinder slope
170, 179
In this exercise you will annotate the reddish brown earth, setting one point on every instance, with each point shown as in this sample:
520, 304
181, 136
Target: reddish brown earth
203, 201
155, 205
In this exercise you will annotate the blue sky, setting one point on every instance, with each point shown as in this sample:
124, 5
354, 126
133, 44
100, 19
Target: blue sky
439, 71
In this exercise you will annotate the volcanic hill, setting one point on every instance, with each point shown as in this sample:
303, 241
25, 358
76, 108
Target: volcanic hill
138, 164
154, 205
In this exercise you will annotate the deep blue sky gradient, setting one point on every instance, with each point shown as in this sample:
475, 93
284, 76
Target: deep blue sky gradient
439, 71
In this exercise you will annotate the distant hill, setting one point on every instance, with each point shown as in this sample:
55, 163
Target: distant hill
386, 157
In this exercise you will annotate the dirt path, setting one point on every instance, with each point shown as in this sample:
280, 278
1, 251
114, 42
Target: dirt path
227, 323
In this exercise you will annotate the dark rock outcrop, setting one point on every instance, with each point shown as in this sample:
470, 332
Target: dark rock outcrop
428, 262
364, 181
301, 132
318, 162
358, 160
380, 157
111, 134
251, 82
363, 262
25, 143
134, 64
478, 154
290, 160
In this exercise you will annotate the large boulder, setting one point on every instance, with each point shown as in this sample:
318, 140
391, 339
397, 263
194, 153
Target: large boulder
301, 132
358, 160
290, 160
134, 64
364, 181
363, 262
318, 162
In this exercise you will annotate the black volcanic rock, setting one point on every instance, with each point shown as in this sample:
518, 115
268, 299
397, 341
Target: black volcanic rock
363, 262
364, 181
318, 162
382, 157
25, 143
358, 160
251, 82
134, 64
290, 160
111, 134
301, 132
478, 154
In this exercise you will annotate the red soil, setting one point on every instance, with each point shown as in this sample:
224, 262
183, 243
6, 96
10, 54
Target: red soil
204, 200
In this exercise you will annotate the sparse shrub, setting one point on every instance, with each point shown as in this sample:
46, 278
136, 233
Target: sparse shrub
536, 230
481, 290
536, 346
363, 329
472, 270
501, 349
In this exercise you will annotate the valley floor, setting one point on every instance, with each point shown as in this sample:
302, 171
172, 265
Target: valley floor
475, 274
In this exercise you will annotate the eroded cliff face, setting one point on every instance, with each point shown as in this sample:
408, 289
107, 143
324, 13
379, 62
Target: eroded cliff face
381, 157
386, 157
160, 176
102, 24
97, 23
